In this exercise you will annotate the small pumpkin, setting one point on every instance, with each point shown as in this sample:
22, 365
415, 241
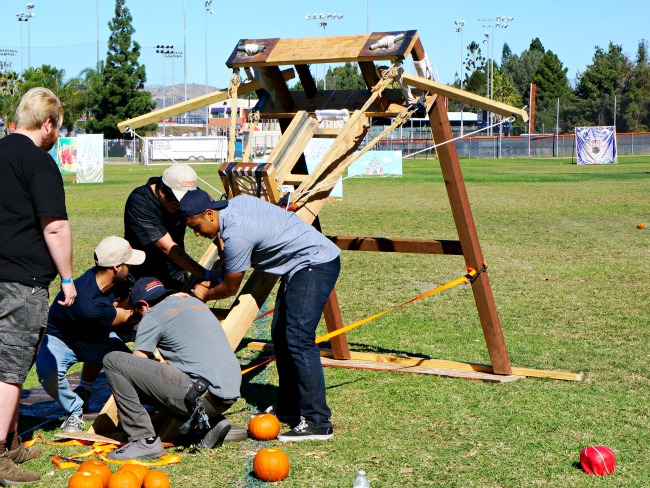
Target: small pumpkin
264, 427
156, 479
138, 469
98, 467
84, 479
124, 479
271, 465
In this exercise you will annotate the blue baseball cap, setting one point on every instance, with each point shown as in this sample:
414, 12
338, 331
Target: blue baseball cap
198, 201
148, 290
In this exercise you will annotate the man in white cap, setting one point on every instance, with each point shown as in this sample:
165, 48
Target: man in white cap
153, 223
86, 330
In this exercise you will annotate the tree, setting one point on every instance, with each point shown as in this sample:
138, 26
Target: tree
71, 92
636, 101
120, 95
346, 77
520, 69
552, 83
605, 78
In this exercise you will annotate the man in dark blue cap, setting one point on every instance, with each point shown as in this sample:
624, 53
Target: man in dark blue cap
257, 234
200, 379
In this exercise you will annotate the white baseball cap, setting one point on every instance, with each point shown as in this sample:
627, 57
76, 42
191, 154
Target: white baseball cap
113, 251
181, 178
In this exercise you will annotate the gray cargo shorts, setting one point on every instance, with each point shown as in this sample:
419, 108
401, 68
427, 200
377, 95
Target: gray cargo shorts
23, 318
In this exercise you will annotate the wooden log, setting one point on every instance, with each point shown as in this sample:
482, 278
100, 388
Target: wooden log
468, 235
193, 104
382, 244
466, 97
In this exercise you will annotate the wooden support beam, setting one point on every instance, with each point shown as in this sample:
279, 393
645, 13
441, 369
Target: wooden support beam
371, 77
465, 97
464, 220
193, 104
336, 159
291, 145
318, 50
307, 80
279, 91
439, 363
327, 132
382, 244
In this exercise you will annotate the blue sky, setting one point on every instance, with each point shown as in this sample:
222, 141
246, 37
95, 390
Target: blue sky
64, 34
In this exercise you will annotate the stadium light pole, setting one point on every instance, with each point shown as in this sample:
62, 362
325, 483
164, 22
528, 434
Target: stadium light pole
322, 20
30, 15
185, 48
460, 24
164, 50
23, 17
499, 22
97, 29
208, 12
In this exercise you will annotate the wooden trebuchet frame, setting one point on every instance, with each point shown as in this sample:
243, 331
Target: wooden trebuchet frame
264, 59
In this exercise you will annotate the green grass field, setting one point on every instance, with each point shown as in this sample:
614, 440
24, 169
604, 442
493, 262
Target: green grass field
567, 268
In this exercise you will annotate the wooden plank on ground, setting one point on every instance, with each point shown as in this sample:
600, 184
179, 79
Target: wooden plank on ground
111, 438
405, 368
434, 363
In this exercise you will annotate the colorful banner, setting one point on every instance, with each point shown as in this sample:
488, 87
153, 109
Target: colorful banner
596, 145
90, 158
65, 154
377, 163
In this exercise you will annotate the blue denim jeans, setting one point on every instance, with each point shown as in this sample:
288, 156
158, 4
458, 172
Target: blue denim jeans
55, 357
298, 309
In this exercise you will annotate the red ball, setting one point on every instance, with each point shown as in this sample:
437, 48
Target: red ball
598, 460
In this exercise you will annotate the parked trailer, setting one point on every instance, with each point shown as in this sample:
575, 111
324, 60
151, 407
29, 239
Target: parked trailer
185, 148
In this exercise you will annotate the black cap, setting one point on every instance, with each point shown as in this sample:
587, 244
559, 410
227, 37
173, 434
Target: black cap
198, 201
149, 290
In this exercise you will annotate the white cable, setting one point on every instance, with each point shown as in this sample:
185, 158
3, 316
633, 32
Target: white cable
510, 119
130, 131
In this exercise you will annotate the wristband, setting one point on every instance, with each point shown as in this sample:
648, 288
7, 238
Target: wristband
66, 281
206, 275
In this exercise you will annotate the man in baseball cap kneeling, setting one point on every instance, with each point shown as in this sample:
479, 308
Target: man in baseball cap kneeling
199, 381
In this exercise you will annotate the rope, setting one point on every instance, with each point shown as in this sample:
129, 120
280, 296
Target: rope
235, 81
329, 183
471, 275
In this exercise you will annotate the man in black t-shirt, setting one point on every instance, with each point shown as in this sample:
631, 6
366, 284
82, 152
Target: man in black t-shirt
36, 244
153, 223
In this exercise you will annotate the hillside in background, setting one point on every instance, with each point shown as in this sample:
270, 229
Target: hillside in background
176, 93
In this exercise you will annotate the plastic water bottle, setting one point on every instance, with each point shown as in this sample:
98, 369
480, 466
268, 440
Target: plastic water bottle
361, 480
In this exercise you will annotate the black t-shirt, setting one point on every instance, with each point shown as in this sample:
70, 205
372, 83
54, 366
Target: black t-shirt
32, 188
145, 222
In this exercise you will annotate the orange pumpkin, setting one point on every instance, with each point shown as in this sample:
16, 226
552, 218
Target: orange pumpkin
124, 479
640, 226
271, 465
84, 479
264, 427
156, 479
98, 467
138, 469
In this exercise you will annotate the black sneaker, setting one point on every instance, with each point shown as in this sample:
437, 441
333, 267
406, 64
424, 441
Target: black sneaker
216, 435
305, 432
84, 394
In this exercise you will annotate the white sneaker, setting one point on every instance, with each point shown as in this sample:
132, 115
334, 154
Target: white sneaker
73, 424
